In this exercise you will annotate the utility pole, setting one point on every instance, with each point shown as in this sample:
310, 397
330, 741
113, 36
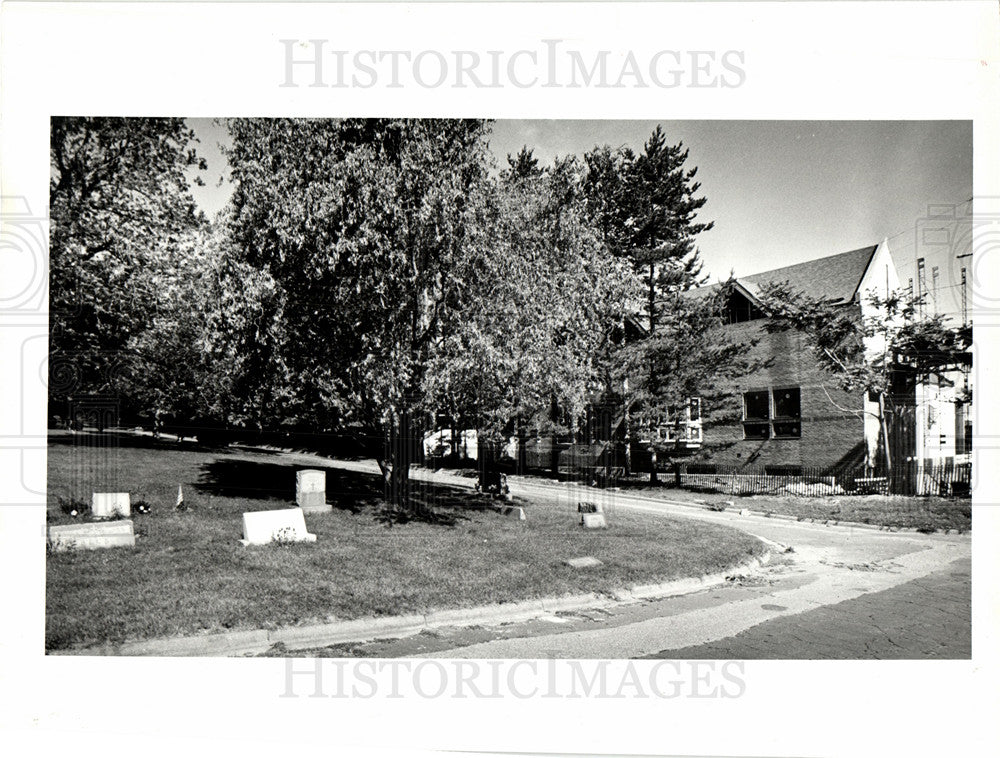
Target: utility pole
965, 291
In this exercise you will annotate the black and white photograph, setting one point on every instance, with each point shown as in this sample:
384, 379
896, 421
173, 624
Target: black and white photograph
499, 378
510, 389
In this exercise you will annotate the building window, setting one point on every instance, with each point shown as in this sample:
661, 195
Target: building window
756, 415
776, 413
694, 409
739, 309
787, 413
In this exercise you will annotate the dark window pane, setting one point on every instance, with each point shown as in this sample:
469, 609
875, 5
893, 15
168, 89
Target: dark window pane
786, 403
755, 406
756, 431
787, 429
695, 405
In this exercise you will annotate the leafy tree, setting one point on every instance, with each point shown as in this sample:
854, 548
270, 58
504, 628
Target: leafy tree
535, 328
119, 204
607, 187
362, 226
879, 351
403, 279
691, 355
182, 364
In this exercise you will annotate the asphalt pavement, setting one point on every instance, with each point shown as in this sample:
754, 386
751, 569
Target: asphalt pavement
830, 591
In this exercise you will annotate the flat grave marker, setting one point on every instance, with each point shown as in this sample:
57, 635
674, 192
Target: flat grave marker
284, 525
586, 561
92, 536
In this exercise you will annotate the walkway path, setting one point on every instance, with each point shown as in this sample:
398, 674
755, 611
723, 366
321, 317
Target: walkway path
833, 592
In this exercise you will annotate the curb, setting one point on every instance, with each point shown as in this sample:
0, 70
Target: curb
847, 524
366, 629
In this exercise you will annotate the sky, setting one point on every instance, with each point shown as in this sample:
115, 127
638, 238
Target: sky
779, 192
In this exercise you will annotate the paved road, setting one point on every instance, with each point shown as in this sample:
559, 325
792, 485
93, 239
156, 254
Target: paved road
831, 592
924, 618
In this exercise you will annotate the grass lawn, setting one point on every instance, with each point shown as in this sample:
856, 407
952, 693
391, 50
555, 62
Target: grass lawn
188, 573
929, 514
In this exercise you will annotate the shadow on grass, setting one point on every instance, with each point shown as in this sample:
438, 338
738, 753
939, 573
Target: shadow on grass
112, 439
345, 490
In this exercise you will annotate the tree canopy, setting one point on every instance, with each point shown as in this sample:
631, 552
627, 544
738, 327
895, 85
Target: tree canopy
404, 277
119, 205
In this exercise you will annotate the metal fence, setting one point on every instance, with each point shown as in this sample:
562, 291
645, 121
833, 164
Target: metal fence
948, 477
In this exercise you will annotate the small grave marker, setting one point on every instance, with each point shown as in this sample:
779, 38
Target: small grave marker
265, 527
310, 490
594, 521
517, 513
587, 561
110, 505
92, 536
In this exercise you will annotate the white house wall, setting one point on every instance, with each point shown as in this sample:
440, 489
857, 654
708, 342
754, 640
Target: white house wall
880, 278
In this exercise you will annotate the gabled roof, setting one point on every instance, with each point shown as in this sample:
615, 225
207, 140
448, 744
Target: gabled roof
836, 277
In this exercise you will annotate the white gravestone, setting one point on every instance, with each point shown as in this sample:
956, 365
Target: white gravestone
265, 527
310, 490
111, 505
92, 536
587, 561
594, 521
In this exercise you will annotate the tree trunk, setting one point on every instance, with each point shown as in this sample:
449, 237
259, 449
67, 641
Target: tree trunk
885, 432
652, 466
885, 438
626, 428
522, 452
398, 485
396, 470
652, 299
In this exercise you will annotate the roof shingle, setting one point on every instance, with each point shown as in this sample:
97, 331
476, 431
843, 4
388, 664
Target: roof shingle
835, 277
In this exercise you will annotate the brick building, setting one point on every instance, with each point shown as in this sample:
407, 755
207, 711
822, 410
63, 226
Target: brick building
793, 413
794, 416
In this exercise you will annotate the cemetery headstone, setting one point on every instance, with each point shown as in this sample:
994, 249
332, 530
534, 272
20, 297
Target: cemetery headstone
265, 527
310, 490
110, 505
517, 513
587, 561
92, 536
594, 521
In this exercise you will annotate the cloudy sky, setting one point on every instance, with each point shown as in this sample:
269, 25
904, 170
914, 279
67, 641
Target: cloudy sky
779, 192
